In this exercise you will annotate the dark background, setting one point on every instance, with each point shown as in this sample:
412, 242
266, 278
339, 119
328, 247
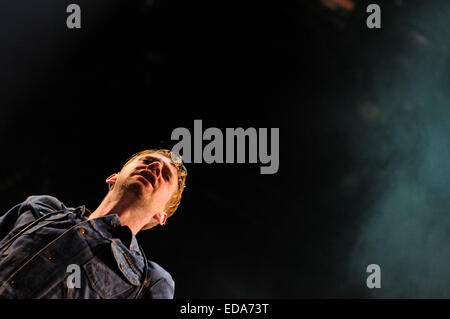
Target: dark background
364, 135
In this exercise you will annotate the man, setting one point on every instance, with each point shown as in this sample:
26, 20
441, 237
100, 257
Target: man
48, 250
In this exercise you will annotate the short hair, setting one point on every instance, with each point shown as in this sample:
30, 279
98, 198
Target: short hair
174, 201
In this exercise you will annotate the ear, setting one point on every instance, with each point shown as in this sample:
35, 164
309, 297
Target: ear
160, 218
111, 180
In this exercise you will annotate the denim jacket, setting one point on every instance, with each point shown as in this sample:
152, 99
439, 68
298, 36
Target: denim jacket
40, 259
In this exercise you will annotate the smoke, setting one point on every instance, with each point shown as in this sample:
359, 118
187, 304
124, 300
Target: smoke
401, 142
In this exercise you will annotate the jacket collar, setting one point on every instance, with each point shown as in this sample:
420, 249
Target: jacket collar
110, 227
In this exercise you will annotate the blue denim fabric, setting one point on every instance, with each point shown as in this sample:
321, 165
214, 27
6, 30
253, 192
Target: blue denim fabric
34, 264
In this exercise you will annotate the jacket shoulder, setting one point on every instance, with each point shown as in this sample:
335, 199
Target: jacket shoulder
45, 203
159, 271
160, 283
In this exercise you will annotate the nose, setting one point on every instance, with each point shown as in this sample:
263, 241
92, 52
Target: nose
156, 167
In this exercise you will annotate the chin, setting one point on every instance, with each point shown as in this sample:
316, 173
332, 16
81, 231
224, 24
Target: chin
136, 188
139, 188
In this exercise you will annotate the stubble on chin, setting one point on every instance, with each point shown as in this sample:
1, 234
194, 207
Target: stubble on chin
133, 188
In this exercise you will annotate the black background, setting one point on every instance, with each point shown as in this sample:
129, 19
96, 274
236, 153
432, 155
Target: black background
76, 104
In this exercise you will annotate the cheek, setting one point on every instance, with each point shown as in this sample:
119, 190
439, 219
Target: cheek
127, 171
160, 194
122, 178
166, 195
172, 194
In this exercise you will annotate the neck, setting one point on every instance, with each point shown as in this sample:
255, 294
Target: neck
129, 212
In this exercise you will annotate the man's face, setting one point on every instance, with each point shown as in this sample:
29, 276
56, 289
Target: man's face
150, 180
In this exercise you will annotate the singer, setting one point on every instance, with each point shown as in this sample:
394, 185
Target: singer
48, 250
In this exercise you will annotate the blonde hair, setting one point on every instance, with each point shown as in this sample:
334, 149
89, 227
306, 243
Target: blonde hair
174, 201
